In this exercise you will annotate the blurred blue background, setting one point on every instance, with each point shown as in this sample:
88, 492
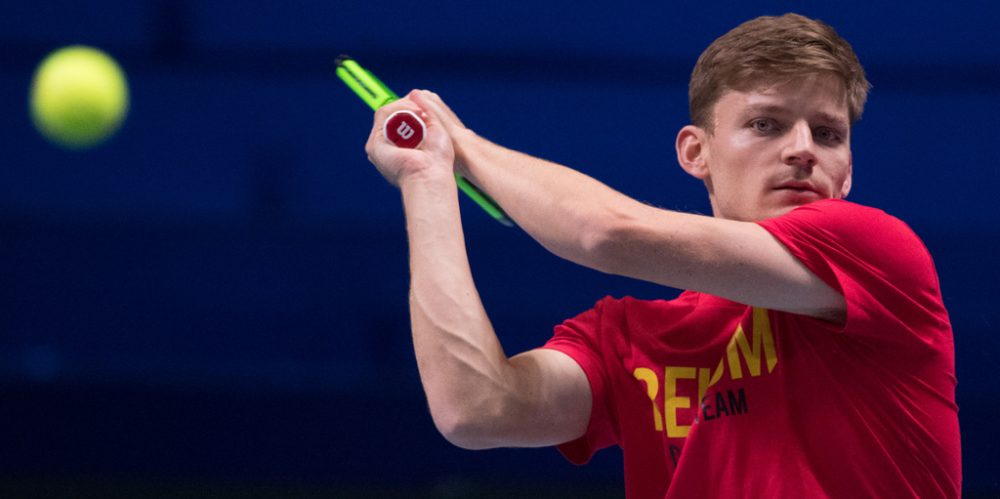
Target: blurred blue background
215, 300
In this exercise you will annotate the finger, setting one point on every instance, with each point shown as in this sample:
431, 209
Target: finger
433, 103
405, 103
437, 98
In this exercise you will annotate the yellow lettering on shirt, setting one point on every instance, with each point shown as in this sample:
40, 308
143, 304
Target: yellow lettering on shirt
739, 347
762, 340
672, 402
647, 375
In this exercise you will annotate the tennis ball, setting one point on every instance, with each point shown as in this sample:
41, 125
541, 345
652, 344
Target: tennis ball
79, 97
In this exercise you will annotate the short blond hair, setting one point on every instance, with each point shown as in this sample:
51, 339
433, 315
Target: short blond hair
774, 49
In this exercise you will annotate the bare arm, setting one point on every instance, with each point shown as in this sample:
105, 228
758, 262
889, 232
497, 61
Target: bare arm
585, 221
478, 397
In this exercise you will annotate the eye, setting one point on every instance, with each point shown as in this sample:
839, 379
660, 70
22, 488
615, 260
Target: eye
764, 125
828, 135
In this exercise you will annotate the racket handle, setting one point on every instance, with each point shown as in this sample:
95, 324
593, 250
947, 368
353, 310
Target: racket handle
406, 129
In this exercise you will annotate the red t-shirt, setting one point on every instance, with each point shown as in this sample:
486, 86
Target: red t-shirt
712, 398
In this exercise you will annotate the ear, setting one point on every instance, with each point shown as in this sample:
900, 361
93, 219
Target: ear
692, 153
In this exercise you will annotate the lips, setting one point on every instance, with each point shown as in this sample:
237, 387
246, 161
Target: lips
799, 187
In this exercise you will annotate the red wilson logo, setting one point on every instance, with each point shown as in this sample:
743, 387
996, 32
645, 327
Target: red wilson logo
404, 129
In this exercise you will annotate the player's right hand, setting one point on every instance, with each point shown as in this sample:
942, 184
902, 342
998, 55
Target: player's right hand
459, 133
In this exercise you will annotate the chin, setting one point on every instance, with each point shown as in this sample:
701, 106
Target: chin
787, 202
776, 211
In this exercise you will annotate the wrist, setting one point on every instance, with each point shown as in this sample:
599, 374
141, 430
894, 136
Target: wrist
465, 143
441, 175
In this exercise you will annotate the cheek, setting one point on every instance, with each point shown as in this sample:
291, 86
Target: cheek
841, 172
736, 163
740, 168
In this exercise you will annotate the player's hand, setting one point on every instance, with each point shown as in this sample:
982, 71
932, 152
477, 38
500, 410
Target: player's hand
435, 155
460, 135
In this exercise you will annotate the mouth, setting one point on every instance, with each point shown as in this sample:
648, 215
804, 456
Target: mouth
799, 188
799, 192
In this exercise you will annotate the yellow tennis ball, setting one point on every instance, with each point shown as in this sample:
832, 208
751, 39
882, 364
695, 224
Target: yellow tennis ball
79, 97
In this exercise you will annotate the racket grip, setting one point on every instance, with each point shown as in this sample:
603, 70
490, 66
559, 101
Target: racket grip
406, 129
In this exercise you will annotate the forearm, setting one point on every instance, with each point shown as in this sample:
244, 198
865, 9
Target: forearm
571, 214
462, 365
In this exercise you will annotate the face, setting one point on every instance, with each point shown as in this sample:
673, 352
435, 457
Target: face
772, 148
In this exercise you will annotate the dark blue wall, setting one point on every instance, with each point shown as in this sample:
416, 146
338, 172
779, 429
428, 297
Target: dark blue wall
219, 292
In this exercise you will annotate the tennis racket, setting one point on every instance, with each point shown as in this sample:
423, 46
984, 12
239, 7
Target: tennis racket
405, 128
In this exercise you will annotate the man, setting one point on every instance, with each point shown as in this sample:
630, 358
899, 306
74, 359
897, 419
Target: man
811, 355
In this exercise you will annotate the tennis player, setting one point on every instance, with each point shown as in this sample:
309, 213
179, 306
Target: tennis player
810, 355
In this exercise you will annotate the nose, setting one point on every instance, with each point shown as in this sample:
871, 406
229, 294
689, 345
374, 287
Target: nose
801, 149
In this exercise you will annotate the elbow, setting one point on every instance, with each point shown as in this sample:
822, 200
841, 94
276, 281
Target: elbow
604, 241
462, 428
649, 244
587, 235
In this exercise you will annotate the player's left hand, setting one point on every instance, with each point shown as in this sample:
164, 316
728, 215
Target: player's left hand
433, 156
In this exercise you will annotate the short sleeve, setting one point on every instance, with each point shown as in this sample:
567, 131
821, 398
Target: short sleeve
882, 268
580, 339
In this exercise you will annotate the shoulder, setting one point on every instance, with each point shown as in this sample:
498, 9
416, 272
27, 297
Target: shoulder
615, 323
874, 259
838, 217
621, 314
633, 309
851, 230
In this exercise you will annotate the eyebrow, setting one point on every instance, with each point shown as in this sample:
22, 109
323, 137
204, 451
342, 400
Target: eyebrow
833, 120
